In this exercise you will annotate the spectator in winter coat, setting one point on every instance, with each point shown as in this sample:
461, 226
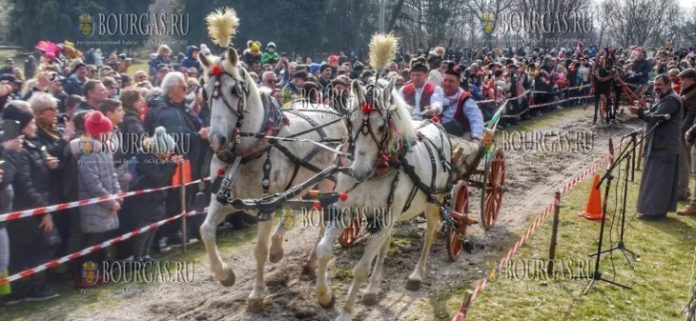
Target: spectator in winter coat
154, 167
270, 55
31, 189
97, 177
74, 84
162, 58
191, 60
7, 175
95, 93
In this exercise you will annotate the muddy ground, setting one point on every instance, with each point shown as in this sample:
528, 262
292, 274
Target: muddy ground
533, 173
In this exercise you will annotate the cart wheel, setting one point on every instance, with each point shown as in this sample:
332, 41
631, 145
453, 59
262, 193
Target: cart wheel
492, 195
455, 237
350, 234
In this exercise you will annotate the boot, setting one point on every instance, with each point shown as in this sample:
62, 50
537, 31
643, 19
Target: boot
689, 210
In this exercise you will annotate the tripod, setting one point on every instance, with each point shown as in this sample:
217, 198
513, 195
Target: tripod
597, 274
630, 161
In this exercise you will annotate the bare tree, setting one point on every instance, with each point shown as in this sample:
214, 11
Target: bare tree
635, 22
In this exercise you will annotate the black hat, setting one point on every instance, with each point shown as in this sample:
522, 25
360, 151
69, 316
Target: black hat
18, 110
78, 66
300, 74
323, 67
453, 69
419, 64
358, 65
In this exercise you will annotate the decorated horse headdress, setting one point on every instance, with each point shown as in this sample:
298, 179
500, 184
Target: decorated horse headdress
379, 99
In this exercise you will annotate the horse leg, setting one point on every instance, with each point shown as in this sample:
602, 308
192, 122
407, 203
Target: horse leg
362, 270
432, 217
310, 266
256, 297
309, 269
277, 242
370, 296
216, 213
324, 251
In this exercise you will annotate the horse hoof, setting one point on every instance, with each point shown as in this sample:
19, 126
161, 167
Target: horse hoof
229, 278
255, 305
413, 285
369, 299
330, 304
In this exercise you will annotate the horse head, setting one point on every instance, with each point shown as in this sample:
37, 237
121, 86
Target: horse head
231, 95
380, 123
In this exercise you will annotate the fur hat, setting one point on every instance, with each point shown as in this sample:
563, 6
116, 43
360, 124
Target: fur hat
419, 64
96, 123
271, 45
18, 110
453, 69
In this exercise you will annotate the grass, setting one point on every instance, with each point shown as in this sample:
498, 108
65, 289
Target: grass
660, 282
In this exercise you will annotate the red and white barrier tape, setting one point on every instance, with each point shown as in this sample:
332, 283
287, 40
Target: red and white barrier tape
94, 248
59, 207
567, 187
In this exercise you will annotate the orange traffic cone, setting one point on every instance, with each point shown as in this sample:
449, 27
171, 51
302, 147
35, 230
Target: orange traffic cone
593, 210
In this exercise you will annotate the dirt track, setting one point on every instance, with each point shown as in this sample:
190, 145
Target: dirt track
532, 175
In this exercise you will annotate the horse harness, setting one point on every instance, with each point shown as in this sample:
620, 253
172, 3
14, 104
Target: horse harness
273, 120
394, 158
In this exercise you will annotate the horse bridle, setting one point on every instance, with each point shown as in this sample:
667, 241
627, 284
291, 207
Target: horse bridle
240, 91
367, 108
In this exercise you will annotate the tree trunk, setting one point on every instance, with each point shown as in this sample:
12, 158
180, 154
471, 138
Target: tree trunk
394, 15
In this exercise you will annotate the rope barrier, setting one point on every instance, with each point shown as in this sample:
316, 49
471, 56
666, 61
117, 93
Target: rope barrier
567, 186
59, 207
94, 248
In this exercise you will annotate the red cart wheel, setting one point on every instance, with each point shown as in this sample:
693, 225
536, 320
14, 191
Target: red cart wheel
350, 234
492, 195
455, 237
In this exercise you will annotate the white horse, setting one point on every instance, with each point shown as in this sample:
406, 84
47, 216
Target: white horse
240, 115
382, 129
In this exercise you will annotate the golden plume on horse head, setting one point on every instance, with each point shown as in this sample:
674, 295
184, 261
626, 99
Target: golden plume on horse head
222, 27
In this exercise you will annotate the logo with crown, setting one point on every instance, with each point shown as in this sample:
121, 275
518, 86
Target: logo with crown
89, 274
488, 22
86, 25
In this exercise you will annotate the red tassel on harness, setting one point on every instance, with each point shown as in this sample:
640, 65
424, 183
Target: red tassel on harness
435, 119
216, 70
221, 171
366, 108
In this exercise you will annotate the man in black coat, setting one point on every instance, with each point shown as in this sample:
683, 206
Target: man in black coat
658, 187
170, 112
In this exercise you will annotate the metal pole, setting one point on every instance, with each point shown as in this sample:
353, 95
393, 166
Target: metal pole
640, 153
382, 5
184, 234
554, 235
